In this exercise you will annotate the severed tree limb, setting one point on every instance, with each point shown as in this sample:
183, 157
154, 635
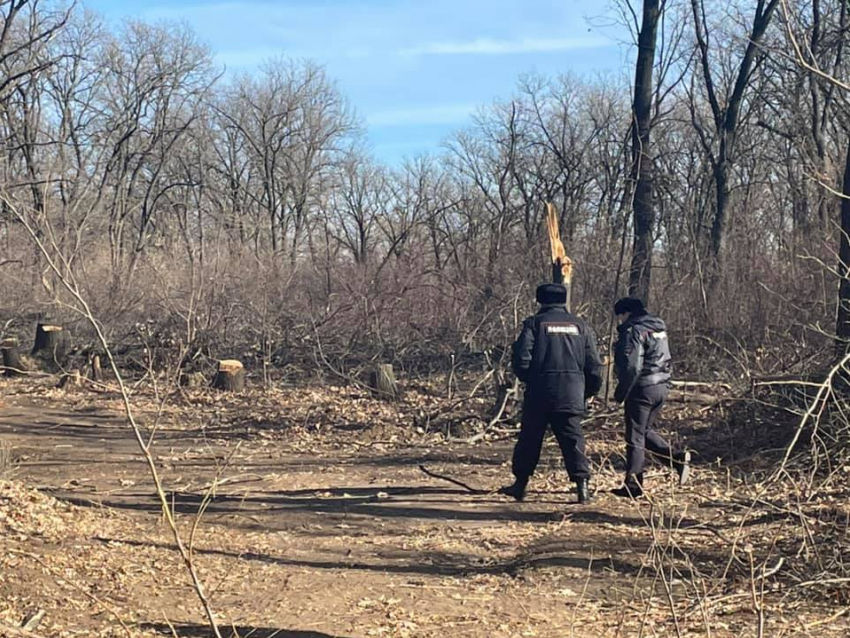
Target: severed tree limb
701, 384
509, 392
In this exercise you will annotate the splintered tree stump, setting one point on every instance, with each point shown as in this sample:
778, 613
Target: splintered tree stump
230, 376
50, 340
10, 357
383, 382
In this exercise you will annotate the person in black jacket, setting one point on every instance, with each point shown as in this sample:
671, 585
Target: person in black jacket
643, 365
556, 357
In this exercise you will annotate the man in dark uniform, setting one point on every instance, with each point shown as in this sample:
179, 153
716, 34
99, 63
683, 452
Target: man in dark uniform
556, 357
643, 365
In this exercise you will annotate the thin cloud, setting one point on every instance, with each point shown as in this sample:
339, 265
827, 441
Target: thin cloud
488, 46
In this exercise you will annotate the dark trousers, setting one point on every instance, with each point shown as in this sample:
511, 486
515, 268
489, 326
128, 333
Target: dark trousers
642, 408
567, 429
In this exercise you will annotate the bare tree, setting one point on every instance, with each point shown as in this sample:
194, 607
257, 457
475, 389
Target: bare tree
356, 204
831, 78
725, 95
642, 160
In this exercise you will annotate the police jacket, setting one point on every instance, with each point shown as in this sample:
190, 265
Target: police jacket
556, 357
641, 354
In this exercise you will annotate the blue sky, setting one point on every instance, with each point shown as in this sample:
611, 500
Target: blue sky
414, 70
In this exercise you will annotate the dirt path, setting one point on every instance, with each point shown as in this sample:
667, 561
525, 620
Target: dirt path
312, 538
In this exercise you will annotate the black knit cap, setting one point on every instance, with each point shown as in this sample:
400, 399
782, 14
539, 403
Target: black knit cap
552, 294
629, 304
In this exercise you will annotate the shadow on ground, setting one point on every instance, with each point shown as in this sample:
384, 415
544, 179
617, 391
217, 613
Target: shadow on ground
203, 631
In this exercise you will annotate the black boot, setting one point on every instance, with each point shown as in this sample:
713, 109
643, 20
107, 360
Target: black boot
583, 490
632, 487
682, 465
517, 490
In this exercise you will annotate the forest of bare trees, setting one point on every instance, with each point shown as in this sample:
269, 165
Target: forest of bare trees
244, 213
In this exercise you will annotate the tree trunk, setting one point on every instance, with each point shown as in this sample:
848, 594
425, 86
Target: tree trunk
641, 169
557, 273
558, 278
718, 226
230, 376
10, 357
383, 382
842, 327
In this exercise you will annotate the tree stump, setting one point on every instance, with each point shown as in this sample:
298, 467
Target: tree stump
10, 357
49, 339
193, 380
70, 380
383, 382
95, 370
230, 376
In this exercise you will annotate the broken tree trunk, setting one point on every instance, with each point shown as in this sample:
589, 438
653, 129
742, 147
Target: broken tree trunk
383, 382
10, 357
230, 376
562, 266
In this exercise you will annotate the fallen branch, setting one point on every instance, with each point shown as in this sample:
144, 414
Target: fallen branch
786, 380
700, 398
701, 384
442, 477
600, 415
510, 392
